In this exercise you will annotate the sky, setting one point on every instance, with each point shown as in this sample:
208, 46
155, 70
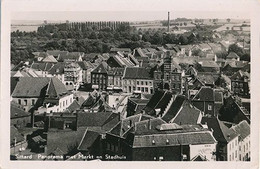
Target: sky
128, 10
125, 15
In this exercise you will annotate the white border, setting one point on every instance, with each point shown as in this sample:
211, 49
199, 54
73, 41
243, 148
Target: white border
252, 6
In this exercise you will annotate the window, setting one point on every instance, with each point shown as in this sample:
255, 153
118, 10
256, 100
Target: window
25, 102
33, 101
142, 83
209, 107
19, 101
66, 102
142, 89
236, 154
160, 158
138, 88
146, 83
146, 89
137, 82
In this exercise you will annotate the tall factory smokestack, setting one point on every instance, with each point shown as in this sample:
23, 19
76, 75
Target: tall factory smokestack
168, 29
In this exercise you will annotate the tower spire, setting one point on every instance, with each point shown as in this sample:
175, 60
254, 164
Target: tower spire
168, 29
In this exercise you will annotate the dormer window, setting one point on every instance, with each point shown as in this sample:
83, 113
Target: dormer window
167, 141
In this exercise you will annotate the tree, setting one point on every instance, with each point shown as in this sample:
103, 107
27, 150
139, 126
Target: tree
236, 49
183, 40
228, 20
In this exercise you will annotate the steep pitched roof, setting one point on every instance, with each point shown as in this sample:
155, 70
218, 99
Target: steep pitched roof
240, 74
64, 140
136, 73
174, 108
221, 132
58, 68
73, 106
188, 114
232, 55
84, 65
56, 88
17, 111
211, 64
156, 100
15, 136
243, 129
30, 86
42, 66
87, 140
49, 58
205, 94
101, 68
56, 53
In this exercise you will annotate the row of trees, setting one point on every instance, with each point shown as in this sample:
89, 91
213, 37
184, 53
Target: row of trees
88, 38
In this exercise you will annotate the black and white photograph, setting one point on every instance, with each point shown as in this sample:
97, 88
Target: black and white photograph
131, 85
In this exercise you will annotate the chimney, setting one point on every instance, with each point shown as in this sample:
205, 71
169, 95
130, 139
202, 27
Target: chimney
76, 122
149, 124
32, 119
168, 29
119, 118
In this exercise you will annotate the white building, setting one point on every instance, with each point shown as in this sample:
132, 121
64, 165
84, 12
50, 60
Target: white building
243, 129
41, 94
137, 79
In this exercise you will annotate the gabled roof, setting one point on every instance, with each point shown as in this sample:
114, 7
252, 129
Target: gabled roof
136, 73
232, 55
116, 71
57, 68
42, 66
85, 65
56, 88
187, 114
221, 132
205, 94
64, 140
236, 64
120, 49
73, 106
199, 157
92, 119
87, 140
206, 78
17, 111
127, 124
210, 64
159, 100
30, 86
138, 52
174, 108
72, 56
15, 136
243, 129
173, 139
56, 53
50, 59
101, 68
240, 74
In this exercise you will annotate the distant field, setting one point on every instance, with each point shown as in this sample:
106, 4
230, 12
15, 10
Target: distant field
25, 28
